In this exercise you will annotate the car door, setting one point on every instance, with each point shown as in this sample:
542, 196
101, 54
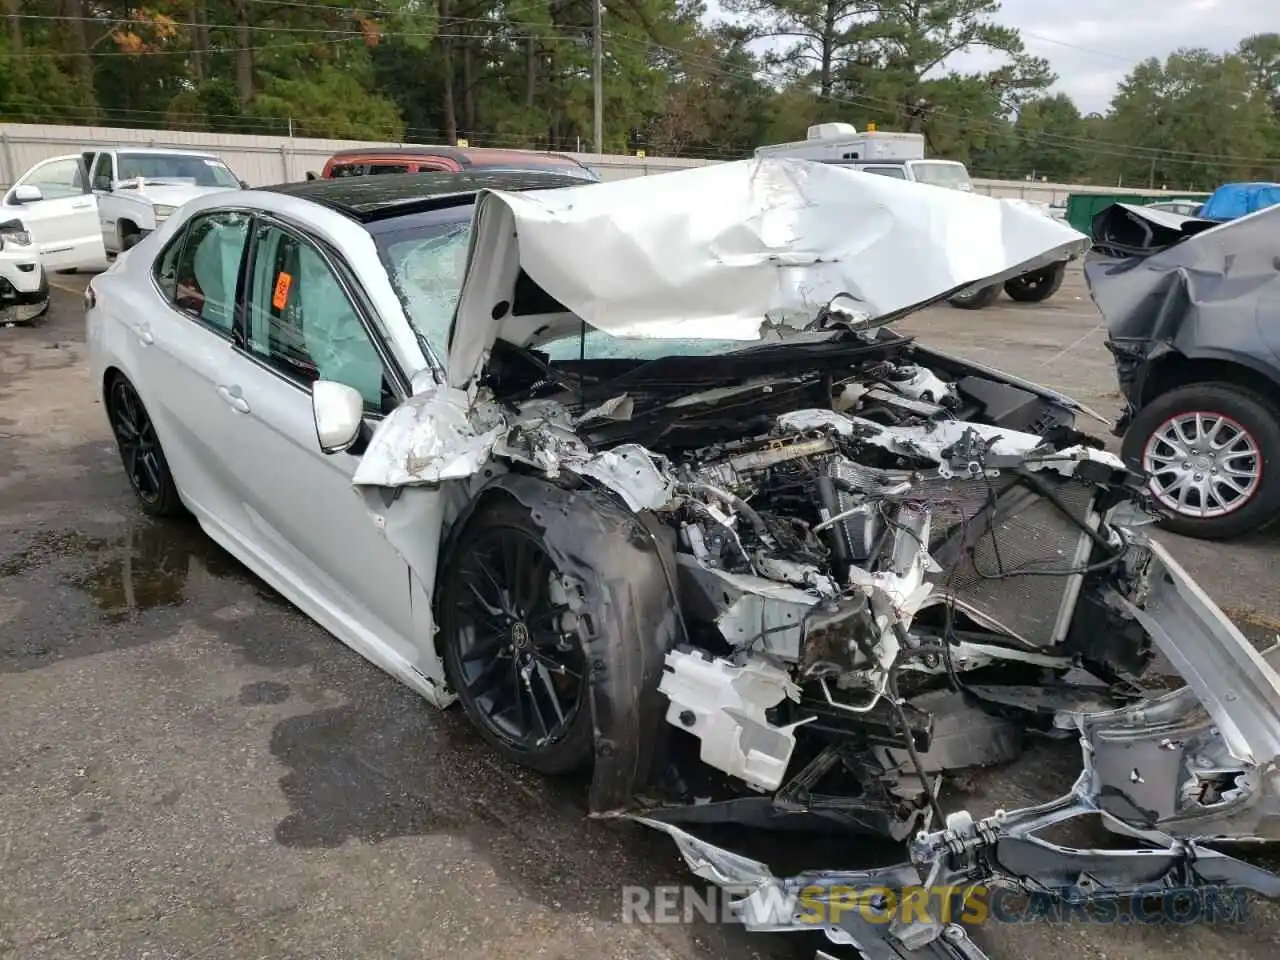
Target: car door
102, 177
184, 355
63, 222
300, 322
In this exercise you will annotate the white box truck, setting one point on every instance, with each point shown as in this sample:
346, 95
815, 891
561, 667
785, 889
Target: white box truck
901, 156
831, 142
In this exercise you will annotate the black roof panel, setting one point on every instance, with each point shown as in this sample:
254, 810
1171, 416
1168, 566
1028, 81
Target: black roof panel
391, 194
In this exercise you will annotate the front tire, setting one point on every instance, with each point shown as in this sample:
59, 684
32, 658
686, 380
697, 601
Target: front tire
130, 241
510, 648
140, 451
1037, 286
1211, 454
978, 299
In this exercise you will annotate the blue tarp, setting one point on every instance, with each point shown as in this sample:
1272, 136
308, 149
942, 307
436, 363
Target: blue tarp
1232, 200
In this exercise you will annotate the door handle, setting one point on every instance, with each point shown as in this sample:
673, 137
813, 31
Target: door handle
234, 398
81, 206
144, 335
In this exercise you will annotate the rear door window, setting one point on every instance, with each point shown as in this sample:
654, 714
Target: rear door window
348, 170
204, 275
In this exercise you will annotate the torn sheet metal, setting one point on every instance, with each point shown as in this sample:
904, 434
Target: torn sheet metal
1203, 760
1222, 283
963, 856
617, 408
1126, 228
630, 471
443, 434
1003, 851
437, 435
766, 904
722, 251
1195, 765
959, 447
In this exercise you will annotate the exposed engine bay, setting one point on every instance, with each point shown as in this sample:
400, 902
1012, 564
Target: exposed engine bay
872, 565
893, 566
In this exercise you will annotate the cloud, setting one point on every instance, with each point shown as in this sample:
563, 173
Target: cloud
1102, 41
1093, 44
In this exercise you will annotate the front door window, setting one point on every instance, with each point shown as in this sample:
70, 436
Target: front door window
302, 323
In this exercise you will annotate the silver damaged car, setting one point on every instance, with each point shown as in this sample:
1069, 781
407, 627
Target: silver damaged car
640, 475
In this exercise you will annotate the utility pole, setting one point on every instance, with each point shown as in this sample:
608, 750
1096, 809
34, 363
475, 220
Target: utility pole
597, 75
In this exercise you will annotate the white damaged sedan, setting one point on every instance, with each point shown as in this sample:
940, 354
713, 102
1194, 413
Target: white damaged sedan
639, 474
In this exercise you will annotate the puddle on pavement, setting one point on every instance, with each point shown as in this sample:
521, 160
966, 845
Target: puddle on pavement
150, 565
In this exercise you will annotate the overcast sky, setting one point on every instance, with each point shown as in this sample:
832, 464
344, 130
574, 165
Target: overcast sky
1092, 44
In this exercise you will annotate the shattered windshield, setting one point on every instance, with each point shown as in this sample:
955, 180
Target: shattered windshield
203, 171
942, 173
425, 256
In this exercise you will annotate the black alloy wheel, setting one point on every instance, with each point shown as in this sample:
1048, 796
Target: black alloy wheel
976, 299
140, 451
511, 646
1037, 286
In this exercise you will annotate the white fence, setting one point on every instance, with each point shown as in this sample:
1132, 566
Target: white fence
266, 160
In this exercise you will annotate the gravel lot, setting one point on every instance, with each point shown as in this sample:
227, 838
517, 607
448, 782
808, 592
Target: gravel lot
190, 768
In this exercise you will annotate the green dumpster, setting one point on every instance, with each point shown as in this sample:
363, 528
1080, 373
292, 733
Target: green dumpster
1081, 207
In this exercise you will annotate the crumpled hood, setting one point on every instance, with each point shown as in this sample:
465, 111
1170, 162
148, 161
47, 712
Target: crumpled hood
167, 194
728, 251
1038, 206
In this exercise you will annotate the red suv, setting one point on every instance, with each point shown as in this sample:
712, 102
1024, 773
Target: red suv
363, 163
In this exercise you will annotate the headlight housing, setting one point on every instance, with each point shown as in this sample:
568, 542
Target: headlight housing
14, 232
162, 211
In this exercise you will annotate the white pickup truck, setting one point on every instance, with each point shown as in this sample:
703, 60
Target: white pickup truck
138, 189
80, 208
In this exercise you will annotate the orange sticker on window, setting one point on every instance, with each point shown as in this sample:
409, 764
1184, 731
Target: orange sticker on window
281, 295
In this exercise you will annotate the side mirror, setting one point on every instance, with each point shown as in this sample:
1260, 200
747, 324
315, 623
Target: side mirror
102, 183
244, 184
339, 414
312, 175
26, 193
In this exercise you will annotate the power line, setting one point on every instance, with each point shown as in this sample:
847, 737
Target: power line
184, 52
717, 64
1084, 144
276, 125
260, 28
1075, 46
343, 36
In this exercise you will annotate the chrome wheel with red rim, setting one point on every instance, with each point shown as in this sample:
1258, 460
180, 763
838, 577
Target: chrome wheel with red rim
1207, 451
1202, 464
